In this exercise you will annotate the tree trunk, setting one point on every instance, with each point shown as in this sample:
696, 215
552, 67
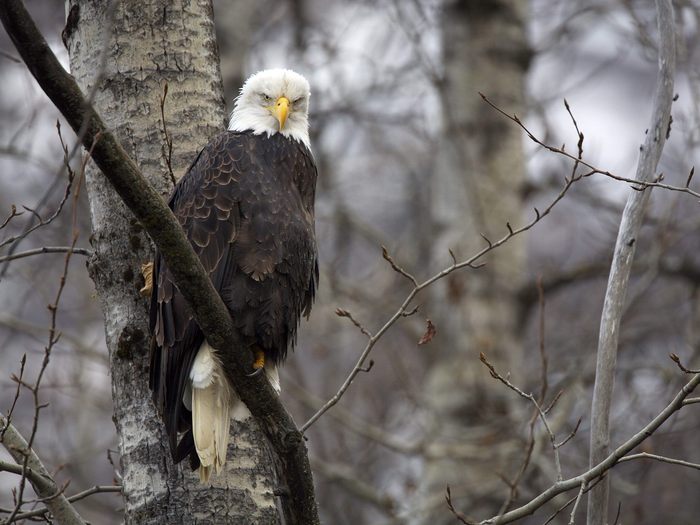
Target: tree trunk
122, 54
477, 189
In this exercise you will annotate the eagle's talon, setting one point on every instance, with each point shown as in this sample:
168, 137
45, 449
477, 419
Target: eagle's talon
259, 362
255, 372
147, 272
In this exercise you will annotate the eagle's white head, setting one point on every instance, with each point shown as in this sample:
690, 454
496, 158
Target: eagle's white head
274, 101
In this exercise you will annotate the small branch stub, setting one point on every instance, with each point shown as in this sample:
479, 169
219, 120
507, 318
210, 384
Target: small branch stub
677, 360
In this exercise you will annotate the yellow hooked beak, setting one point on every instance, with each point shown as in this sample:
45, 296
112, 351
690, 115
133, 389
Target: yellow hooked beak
280, 110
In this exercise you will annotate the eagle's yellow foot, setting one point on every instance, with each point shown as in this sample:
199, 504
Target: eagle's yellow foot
147, 272
259, 363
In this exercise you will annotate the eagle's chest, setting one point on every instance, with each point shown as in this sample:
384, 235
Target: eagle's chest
278, 193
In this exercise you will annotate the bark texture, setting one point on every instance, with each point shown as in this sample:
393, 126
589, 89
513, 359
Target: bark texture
477, 189
122, 54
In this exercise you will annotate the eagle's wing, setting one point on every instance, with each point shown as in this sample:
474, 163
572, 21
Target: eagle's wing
206, 206
250, 219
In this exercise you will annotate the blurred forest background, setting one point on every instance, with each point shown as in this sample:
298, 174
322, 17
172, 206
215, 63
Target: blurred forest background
411, 158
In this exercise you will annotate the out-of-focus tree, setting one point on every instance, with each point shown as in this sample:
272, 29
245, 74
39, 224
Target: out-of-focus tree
476, 189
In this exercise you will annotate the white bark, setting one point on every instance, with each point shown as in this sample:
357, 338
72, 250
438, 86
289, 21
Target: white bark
625, 247
151, 43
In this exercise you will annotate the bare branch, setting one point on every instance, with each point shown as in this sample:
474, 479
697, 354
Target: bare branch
32, 226
167, 148
581, 491
97, 489
13, 213
41, 222
397, 268
542, 415
340, 312
30, 467
570, 501
18, 381
467, 263
461, 517
571, 435
543, 354
680, 365
601, 468
636, 184
663, 459
46, 249
578, 131
625, 247
690, 176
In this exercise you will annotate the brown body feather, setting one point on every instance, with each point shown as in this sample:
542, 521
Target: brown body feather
247, 206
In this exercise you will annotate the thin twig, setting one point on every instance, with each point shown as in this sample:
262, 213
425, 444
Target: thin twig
680, 365
30, 467
537, 413
13, 213
663, 459
581, 491
54, 334
543, 417
340, 312
572, 500
461, 517
30, 226
601, 468
467, 263
397, 268
18, 381
97, 489
543, 354
41, 221
47, 249
593, 169
168, 146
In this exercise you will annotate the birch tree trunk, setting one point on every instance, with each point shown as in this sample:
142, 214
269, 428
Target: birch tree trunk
476, 189
122, 54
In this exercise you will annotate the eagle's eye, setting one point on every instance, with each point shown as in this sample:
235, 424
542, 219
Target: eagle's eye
266, 98
297, 100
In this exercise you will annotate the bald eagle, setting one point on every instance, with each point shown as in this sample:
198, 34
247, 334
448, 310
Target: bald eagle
247, 206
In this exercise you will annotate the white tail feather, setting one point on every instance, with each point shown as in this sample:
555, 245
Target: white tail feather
213, 404
273, 376
212, 400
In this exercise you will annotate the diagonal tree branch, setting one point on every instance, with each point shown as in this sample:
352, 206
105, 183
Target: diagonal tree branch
625, 246
41, 512
600, 469
44, 485
155, 216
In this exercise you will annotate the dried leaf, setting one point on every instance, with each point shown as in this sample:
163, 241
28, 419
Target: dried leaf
430, 332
